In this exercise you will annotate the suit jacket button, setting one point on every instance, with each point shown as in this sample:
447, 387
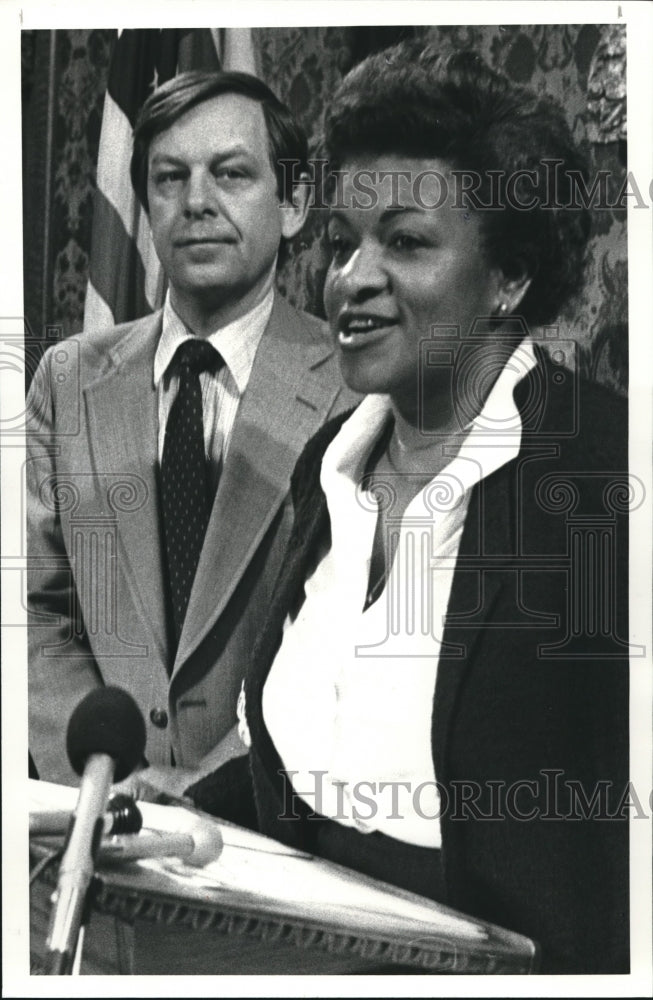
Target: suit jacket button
159, 718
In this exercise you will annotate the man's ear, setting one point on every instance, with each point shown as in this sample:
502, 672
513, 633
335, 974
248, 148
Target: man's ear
293, 212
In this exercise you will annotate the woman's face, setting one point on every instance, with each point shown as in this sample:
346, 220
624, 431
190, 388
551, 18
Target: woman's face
399, 268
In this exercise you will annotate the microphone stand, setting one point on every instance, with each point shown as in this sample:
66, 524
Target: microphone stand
78, 864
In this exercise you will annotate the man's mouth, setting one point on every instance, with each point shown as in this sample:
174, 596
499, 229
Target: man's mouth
198, 241
355, 329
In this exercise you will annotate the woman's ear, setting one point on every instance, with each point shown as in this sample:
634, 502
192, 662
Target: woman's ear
294, 211
513, 284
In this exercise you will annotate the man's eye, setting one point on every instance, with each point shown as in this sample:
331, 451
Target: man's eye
167, 177
229, 173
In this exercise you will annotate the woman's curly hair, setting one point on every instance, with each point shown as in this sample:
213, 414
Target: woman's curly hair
409, 100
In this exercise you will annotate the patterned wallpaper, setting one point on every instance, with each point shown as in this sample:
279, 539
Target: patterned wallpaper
583, 66
61, 134
569, 62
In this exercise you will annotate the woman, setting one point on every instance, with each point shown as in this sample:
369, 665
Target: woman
420, 707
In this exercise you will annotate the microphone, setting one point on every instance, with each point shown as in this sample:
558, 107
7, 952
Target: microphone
122, 816
105, 741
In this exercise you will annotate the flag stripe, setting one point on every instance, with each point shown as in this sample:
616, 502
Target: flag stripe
99, 315
155, 281
141, 60
114, 155
123, 287
125, 272
198, 49
238, 50
117, 134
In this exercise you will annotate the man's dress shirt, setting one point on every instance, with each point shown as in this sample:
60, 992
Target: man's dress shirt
222, 391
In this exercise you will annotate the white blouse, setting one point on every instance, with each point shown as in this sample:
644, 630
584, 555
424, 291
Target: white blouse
349, 698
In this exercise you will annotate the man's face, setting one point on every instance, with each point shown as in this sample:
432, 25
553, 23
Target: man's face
214, 209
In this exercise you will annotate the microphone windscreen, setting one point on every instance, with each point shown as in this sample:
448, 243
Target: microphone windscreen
107, 721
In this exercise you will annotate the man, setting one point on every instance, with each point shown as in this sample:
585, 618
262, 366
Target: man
158, 467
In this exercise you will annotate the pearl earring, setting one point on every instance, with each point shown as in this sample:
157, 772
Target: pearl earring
503, 308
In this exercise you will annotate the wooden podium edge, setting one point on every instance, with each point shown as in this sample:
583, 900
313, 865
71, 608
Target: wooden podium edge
235, 917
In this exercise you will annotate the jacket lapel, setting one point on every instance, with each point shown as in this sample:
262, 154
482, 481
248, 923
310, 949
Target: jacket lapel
473, 594
490, 538
121, 408
286, 401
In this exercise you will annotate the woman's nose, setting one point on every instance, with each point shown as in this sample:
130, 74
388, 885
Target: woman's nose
364, 273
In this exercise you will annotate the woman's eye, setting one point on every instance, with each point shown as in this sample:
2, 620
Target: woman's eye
404, 241
340, 247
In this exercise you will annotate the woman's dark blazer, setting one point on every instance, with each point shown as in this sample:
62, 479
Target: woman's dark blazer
530, 714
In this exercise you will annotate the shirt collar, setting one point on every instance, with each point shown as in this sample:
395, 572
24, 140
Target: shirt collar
494, 436
500, 414
237, 342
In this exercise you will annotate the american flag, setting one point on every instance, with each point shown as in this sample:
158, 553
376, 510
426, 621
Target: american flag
125, 277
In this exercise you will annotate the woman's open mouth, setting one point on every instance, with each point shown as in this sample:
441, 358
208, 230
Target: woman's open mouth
359, 329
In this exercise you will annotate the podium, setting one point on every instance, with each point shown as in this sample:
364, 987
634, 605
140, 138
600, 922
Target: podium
262, 908
136, 932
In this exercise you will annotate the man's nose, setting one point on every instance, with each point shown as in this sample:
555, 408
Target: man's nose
364, 273
200, 194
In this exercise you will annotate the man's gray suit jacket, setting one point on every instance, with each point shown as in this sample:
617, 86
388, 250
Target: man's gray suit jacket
96, 590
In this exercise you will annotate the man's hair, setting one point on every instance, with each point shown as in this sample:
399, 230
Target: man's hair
286, 139
409, 100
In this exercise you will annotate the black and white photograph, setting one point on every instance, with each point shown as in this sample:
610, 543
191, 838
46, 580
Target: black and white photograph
326, 472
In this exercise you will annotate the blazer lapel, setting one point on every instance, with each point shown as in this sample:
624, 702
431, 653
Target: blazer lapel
286, 401
491, 536
122, 417
473, 594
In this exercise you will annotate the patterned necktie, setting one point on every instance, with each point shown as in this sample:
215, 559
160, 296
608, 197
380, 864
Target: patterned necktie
185, 495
